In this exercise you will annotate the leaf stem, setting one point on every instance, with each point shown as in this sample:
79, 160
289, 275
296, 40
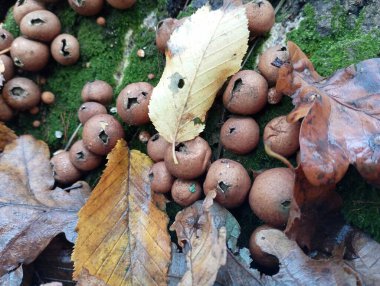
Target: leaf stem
73, 137
5, 51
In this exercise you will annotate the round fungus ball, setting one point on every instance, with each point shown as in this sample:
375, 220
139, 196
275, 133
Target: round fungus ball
6, 112
240, 135
21, 93
48, 97
270, 61
133, 101
23, 7
90, 109
282, 137
65, 49
230, 180
29, 55
246, 93
97, 90
165, 29
6, 39
271, 195
82, 158
193, 158
64, 171
86, 8
261, 17
121, 4
161, 180
40, 25
156, 147
186, 192
101, 133
260, 257
8, 65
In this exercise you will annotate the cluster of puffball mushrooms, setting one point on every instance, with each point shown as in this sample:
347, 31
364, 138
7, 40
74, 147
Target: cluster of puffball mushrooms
246, 94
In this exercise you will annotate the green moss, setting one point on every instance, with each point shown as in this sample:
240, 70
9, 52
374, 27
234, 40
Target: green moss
11, 25
345, 45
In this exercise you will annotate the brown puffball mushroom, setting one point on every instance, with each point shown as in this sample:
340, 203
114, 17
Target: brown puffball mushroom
97, 90
132, 103
282, 137
82, 158
271, 195
101, 21
193, 158
274, 97
6, 112
121, 4
29, 55
65, 49
230, 180
165, 29
23, 7
240, 135
21, 93
156, 147
260, 257
9, 68
186, 192
40, 25
86, 8
6, 39
48, 97
161, 180
64, 171
246, 93
101, 133
34, 110
276, 55
261, 17
90, 109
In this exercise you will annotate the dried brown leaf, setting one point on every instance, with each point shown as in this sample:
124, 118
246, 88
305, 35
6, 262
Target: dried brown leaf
122, 232
6, 136
31, 214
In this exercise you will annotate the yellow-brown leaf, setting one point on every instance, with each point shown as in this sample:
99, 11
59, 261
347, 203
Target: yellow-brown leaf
6, 136
122, 233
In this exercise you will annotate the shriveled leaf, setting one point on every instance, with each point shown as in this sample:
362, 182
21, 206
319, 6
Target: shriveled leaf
202, 53
31, 214
205, 244
13, 278
122, 232
6, 136
341, 123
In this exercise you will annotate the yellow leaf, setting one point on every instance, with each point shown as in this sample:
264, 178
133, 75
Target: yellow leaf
122, 232
202, 53
6, 136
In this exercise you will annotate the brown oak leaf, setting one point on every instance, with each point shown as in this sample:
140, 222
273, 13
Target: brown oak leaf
341, 124
6, 136
31, 213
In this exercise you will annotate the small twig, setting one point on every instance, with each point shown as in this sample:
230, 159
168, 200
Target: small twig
278, 7
73, 137
5, 51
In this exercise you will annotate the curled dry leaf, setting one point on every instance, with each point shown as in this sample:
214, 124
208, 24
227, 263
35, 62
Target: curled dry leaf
6, 136
341, 114
203, 236
31, 213
122, 229
194, 73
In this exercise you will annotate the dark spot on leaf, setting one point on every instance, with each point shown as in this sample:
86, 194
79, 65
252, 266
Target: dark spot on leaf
197, 120
104, 137
181, 83
131, 102
222, 186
